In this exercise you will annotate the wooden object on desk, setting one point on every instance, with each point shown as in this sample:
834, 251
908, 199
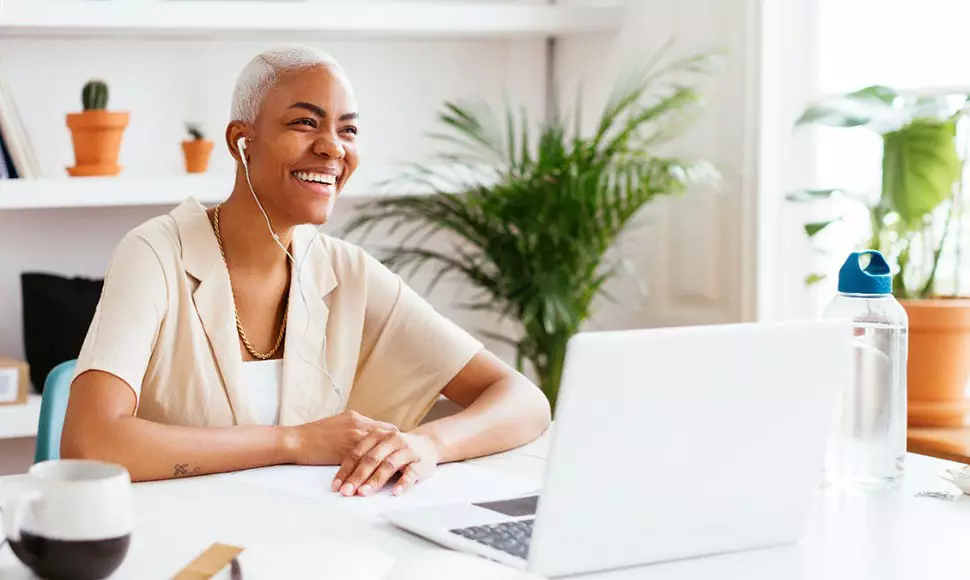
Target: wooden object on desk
952, 444
209, 563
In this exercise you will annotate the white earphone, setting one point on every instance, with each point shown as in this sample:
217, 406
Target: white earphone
241, 145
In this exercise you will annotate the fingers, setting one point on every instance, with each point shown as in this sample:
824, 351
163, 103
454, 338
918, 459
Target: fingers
369, 463
408, 478
350, 462
367, 433
391, 465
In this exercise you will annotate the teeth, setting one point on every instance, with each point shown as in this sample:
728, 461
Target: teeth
315, 177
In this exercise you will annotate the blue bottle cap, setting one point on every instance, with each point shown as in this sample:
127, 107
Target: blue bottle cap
876, 278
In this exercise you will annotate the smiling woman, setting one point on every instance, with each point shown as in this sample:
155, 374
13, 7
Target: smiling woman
240, 336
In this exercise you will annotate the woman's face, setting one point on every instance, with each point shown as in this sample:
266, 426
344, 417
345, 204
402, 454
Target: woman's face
303, 146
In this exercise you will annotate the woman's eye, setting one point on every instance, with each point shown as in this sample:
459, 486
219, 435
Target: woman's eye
307, 122
352, 130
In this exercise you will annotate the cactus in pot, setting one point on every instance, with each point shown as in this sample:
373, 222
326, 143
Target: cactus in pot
94, 96
195, 131
96, 133
196, 149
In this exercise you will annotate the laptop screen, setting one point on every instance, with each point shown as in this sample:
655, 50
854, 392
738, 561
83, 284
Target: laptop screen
520, 506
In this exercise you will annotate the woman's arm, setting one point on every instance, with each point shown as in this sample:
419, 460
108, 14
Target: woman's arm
502, 410
99, 424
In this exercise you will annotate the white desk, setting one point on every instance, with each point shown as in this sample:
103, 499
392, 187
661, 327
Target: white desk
854, 536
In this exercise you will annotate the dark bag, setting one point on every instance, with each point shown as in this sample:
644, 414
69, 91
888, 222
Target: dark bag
57, 314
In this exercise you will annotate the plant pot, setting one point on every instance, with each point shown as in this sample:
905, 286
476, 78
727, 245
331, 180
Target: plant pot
197, 152
939, 362
96, 136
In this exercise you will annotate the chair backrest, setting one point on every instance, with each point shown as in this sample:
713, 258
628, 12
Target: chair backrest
53, 405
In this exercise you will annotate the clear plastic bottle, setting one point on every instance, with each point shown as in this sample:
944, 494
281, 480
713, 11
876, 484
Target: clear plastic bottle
867, 443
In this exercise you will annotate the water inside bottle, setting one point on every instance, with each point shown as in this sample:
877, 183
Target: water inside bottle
867, 445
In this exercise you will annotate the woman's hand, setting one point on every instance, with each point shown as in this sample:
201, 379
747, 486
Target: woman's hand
379, 456
328, 441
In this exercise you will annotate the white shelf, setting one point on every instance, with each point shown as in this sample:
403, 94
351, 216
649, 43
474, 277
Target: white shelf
80, 192
246, 19
170, 190
20, 420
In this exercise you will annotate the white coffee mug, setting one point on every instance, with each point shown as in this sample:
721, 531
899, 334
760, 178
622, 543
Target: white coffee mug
70, 518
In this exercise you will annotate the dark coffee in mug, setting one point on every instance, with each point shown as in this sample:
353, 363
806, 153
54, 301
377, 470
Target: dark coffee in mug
71, 519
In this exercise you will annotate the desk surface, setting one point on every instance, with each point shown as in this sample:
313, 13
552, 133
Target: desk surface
851, 535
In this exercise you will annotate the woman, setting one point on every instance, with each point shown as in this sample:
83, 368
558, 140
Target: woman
239, 336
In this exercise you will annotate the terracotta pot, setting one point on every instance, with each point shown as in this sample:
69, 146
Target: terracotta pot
197, 152
939, 362
97, 141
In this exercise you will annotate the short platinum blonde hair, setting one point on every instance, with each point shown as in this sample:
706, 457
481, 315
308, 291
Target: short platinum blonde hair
266, 69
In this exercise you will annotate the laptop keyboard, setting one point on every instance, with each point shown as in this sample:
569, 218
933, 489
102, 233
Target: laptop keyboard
509, 537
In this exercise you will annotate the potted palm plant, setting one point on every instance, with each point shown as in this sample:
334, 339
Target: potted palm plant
914, 220
530, 222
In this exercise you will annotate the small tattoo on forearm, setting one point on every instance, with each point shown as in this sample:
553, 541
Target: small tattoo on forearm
183, 469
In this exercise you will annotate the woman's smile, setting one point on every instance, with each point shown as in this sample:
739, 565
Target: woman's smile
322, 182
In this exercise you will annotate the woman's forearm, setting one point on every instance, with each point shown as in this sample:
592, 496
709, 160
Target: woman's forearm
152, 451
508, 414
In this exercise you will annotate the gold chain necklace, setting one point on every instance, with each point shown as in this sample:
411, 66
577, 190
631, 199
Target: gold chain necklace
242, 333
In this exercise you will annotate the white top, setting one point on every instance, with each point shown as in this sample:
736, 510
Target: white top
263, 380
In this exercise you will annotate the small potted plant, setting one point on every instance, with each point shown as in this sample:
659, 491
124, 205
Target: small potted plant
96, 133
197, 149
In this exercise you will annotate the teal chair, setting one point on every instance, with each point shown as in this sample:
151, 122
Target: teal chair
53, 405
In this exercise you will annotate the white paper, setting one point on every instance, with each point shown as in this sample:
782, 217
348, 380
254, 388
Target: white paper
452, 482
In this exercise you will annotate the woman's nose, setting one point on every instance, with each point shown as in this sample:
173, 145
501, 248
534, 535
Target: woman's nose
328, 147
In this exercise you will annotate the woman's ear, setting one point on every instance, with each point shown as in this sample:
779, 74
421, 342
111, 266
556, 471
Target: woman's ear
236, 133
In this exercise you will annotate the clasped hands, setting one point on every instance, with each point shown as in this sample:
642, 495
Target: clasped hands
369, 453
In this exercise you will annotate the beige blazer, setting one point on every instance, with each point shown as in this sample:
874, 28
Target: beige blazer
165, 326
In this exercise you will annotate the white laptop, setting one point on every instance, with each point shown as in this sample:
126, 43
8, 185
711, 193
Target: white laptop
667, 444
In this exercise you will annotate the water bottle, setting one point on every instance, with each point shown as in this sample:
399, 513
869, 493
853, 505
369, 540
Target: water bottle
867, 443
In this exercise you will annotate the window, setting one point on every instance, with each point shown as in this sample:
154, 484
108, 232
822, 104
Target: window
912, 46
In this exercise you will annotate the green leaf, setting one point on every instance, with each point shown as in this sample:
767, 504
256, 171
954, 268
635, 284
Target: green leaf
814, 195
809, 195
832, 116
815, 278
854, 109
874, 93
812, 229
919, 168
